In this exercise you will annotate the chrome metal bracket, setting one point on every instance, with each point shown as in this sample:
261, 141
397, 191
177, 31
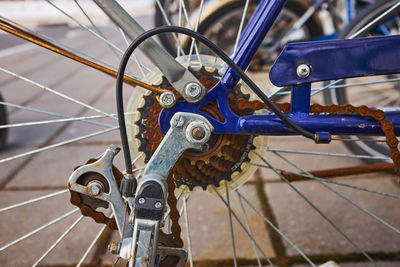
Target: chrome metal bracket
187, 131
103, 166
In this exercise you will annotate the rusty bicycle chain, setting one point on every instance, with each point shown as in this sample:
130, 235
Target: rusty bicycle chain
174, 213
347, 109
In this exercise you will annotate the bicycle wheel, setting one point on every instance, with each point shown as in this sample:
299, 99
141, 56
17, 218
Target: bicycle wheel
170, 13
222, 25
385, 93
39, 222
3, 121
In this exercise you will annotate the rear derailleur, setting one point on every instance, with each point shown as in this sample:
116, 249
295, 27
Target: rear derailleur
139, 204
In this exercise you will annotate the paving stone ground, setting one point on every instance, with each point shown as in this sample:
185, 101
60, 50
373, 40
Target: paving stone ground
46, 172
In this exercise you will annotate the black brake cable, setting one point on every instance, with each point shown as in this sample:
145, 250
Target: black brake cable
219, 53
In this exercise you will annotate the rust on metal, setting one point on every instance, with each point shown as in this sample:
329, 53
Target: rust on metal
17, 31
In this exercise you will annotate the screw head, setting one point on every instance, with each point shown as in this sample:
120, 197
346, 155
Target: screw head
141, 200
94, 188
178, 122
167, 100
193, 90
198, 133
303, 71
158, 205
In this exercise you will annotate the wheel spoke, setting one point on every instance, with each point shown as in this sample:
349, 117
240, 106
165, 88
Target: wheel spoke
248, 227
339, 194
276, 229
34, 200
57, 145
58, 241
190, 27
241, 25
231, 225
244, 228
85, 27
326, 218
53, 114
396, 196
56, 121
169, 24
57, 93
91, 246
189, 241
327, 154
195, 29
38, 229
61, 44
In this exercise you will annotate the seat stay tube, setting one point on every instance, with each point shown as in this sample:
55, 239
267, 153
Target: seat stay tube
252, 36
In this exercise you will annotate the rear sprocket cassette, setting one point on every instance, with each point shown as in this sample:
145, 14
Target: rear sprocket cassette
227, 157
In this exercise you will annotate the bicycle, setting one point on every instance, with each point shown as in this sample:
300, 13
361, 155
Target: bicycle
197, 135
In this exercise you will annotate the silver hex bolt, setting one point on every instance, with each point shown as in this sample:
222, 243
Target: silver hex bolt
303, 71
158, 205
193, 90
94, 188
141, 200
167, 99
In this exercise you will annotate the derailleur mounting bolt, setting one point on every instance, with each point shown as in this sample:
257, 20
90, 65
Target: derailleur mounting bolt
158, 205
167, 99
303, 71
114, 247
141, 200
198, 133
193, 90
94, 188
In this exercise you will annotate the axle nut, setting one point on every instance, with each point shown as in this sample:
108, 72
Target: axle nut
94, 188
198, 133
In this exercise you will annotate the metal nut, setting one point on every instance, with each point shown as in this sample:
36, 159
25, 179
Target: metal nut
158, 205
167, 99
198, 133
114, 247
141, 200
193, 90
303, 71
94, 188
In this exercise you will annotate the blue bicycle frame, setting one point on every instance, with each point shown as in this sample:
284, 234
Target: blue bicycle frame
336, 59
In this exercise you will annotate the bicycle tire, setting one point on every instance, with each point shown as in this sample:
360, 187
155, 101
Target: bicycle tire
3, 121
340, 96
